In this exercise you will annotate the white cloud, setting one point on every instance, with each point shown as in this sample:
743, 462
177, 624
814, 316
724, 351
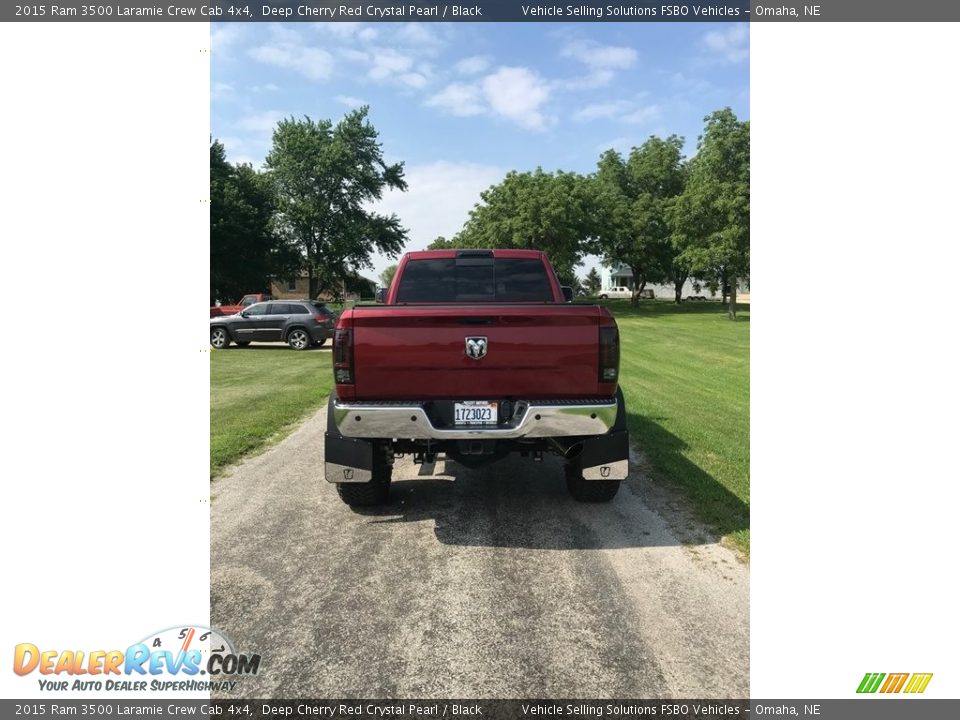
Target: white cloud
348, 30
313, 63
642, 114
354, 55
602, 110
626, 111
730, 44
513, 93
223, 35
423, 36
601, 61
414, 80
221, 90
459, 99
595, 79
387, 62
262, 122
350, 101
517, 94
472, 65
438, 200
597, 56
390, 66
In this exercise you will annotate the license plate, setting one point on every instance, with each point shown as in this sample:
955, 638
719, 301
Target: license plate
475, 412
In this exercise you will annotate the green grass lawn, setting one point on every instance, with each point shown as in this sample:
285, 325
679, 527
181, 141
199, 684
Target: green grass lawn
259, 394
685, 372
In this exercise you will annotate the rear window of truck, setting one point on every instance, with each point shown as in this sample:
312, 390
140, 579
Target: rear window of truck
473, 279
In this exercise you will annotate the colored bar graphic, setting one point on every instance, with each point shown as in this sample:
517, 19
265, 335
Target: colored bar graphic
903, 679
894, 682
870, 682
918, 682
915, 683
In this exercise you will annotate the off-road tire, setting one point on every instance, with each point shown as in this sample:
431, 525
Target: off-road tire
374, 492
588, 490
219, 338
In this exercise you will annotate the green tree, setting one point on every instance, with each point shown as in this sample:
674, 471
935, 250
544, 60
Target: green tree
634, 197
386, 277
441, 243
711, 219
592, 282
244, 251
325, 177
570, 279
537, 210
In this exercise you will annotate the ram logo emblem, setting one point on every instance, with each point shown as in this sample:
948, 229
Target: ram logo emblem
476, 347
348, 473
605, 471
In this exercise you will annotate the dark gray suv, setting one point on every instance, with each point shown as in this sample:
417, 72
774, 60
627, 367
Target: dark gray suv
299, 323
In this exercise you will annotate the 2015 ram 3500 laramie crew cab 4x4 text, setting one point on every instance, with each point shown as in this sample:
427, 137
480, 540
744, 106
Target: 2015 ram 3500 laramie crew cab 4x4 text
475, 354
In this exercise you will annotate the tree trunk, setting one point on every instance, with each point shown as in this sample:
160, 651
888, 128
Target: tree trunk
638, 285
732, 311
679, 278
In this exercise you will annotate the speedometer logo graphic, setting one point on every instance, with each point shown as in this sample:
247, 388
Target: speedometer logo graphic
217, 653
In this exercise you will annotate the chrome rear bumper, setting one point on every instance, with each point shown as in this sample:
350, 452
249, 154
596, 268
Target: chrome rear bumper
409, 420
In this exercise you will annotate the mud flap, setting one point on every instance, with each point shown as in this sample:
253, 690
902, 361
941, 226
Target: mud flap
345, 459
606, 457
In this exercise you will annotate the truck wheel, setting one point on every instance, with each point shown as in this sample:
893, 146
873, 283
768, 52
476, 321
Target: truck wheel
298, 339
320, 343
219, 338
603, 297
589, 490
374, 492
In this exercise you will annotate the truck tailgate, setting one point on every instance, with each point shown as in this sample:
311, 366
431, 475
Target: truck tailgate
531, 351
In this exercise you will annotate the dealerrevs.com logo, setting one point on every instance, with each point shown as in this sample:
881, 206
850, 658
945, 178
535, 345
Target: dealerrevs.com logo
910, 683
181, 658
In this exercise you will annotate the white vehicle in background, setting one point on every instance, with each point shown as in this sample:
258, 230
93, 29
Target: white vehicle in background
616, 292
626, 293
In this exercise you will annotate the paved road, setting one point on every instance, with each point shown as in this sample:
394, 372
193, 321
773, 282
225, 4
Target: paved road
487, 583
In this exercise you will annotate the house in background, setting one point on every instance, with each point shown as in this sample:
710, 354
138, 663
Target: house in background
355, 288
622, 276
296, 288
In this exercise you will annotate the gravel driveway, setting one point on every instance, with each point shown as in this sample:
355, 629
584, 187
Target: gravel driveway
471, 583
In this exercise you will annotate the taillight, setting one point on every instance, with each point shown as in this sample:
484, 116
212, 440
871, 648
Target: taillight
609, 354
343, 357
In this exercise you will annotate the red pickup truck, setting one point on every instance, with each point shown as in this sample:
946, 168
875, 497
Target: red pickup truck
475, 354
245, 301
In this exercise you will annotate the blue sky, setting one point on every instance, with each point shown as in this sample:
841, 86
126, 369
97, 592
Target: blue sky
461, 104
